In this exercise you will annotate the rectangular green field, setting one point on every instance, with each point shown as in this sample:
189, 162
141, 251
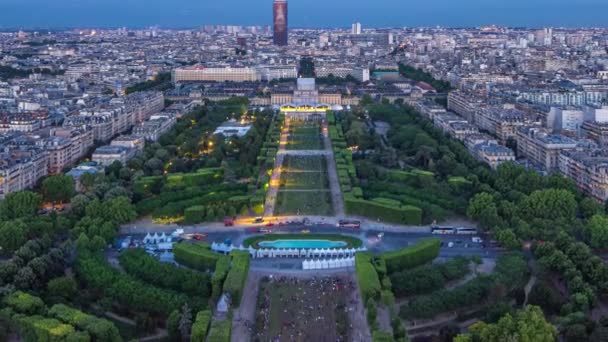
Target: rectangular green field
303, 203
304, 180
304, 163
305, 137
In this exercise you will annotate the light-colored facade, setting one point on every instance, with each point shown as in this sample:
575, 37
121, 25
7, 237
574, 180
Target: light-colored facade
216, 74
589, 170
541, 148
21, 168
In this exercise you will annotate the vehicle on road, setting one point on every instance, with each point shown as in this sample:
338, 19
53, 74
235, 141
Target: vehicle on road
466, 231
305, 231
228, 222
442, 230
269, 224
476, 239
258, 219
197, 236
352, 224
253, 230
265, 230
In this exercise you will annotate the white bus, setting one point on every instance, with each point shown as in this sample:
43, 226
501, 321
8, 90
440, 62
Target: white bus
443, 230
466, 231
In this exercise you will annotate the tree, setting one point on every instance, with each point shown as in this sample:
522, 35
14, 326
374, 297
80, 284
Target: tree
589, 207
58, 188
13, 234
508, 239
25, 279
527, 325
83, 242
64, 287
185, 322
483, 209
78, 205
20, 205
596, 231
549, 204
120, 210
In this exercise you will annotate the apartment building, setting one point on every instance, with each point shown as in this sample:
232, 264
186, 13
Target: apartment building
360, 74
589, 170
200, 73
541, 148
66, 146
21, 167
498, 121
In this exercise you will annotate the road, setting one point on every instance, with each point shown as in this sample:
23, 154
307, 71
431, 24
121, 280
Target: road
462, 244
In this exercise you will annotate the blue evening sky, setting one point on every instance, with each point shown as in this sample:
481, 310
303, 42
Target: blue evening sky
302, 13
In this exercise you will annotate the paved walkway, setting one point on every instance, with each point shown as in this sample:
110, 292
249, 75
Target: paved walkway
334, 183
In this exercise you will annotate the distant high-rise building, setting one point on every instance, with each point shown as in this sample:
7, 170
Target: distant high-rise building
279, 11
356, 28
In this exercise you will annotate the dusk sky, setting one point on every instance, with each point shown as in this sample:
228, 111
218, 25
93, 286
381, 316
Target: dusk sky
302, 13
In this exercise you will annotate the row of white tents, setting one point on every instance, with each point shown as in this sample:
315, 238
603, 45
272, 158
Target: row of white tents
308, 252
328, 263
289, 252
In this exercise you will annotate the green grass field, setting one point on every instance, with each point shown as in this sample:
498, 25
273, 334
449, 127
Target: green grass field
303, 203
305, 136
304, 187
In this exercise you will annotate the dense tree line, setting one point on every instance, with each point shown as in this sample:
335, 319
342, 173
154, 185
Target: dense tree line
423, 76
428, 278
162, 81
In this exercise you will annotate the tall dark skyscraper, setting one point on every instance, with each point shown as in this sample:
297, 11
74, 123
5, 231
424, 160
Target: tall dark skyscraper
279, 11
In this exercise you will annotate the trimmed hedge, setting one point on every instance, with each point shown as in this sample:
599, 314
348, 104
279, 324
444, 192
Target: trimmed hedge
200, 177
94, 272
409, 257
367, 277
100, 329
235, 280
405, 214
222, 266
140, 264
194, 214
198, 256
201, 326
220, 331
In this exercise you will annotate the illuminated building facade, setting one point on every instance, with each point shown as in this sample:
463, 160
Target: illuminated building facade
279, 11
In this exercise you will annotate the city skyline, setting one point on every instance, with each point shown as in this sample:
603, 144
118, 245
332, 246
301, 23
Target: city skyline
385, 13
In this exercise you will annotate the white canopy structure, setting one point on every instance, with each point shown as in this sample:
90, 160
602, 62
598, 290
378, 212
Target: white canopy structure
328, 263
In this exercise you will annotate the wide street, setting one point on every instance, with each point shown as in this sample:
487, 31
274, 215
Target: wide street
374, 240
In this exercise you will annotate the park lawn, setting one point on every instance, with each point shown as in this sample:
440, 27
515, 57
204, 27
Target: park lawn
304, 163
305, 136
304, 142
303, 203
304, 180
351, 241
